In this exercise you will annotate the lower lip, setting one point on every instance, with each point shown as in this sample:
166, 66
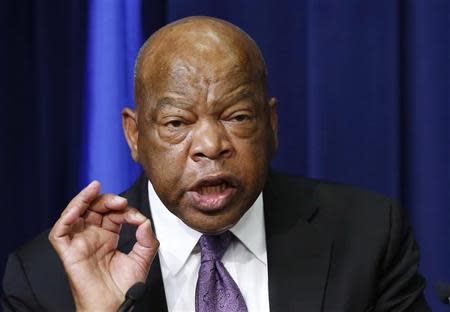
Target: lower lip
214, 201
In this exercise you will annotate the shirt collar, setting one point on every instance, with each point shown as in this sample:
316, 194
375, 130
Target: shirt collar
250, 230
177, 240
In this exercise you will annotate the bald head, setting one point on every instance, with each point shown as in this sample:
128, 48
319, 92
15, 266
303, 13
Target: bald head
204, 130
203, 47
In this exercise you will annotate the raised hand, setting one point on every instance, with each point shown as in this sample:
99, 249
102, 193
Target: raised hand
85, 238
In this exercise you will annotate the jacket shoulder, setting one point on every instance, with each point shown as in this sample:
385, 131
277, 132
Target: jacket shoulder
335, 198
35, 276
373, 244
344, 212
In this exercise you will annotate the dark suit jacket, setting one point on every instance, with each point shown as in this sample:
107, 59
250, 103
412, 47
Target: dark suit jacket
330, 247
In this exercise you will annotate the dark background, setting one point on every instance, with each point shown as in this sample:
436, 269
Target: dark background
362, 89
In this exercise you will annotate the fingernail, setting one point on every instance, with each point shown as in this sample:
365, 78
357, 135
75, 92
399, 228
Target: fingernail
91, 184
117, 200
138, 217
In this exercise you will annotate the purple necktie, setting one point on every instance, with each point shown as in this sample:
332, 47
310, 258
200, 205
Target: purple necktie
216, 291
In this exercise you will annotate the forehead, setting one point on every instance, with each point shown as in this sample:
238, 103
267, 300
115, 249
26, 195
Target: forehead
206, 70
196, 57
209, 75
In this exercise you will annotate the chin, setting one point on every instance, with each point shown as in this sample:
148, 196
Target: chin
211, 225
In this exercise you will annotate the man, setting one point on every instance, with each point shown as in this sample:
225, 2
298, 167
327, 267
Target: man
232, 235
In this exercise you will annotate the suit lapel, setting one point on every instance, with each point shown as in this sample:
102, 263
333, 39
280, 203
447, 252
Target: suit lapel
298, 254
155, 298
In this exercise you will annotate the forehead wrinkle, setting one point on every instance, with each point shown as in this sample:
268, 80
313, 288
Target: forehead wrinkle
182, 67
240, 87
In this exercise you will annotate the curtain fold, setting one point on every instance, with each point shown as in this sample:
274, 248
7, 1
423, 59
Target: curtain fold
425, 132
41, 87
114, 36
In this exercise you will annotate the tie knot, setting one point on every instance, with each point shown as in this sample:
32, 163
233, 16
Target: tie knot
214, 246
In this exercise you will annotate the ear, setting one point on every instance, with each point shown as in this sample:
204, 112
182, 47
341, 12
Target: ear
274, 121
131, 131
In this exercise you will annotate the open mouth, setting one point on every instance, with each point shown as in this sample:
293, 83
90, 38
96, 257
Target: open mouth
213, 193
212, 188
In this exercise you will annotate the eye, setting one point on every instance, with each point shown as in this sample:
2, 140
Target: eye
241, 117
175, 124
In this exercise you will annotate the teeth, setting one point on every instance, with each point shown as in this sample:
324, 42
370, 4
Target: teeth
213, 189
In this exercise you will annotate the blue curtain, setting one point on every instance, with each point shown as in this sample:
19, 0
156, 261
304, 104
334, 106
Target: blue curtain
362, 88
113, 40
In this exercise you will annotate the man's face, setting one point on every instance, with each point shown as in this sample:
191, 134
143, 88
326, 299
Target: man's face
205, 140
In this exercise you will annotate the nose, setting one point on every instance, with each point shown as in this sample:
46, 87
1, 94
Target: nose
210, 141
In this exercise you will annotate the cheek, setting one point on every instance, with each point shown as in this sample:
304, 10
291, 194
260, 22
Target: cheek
245, 130
253, 155
163, 162
173, 136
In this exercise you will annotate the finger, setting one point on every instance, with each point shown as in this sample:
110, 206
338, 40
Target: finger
102, 205
78, 227
92, 217
81, 202
113, 220
146, 246
77, 207
145, 236
107, 202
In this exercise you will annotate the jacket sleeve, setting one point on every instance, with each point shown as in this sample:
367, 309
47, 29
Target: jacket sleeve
18, 295
400, 285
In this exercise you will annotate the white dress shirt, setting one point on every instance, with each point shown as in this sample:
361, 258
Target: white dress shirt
245, 259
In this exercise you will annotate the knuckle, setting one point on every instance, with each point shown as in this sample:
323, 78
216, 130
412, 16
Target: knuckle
107, 196
51, 236
133, 210
65, 211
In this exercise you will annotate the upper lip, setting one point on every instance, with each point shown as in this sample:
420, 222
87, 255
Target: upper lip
215, 179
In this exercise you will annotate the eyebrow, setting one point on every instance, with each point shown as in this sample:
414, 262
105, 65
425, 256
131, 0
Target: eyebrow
234, 96
238, 94
169, 101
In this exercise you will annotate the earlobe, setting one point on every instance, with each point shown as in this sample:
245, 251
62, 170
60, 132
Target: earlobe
131, 131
